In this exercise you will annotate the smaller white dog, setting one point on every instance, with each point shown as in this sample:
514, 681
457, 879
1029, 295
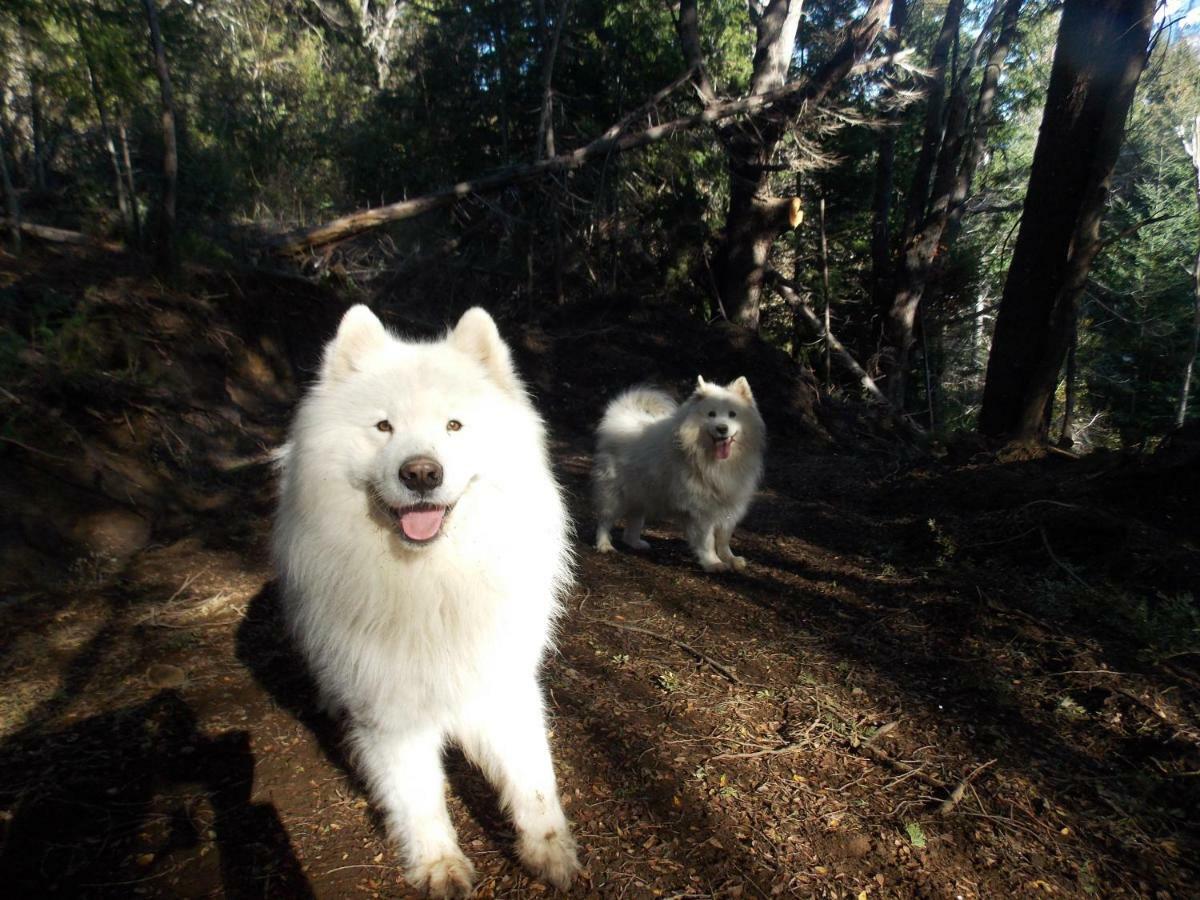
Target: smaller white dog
698, 463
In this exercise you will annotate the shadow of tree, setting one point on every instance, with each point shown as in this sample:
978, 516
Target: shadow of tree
100, 806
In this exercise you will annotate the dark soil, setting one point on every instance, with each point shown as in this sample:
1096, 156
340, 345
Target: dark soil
961, 677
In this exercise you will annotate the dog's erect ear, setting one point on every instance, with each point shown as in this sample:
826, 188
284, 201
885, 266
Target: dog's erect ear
701, 384
741, 387
477, 336
358, 335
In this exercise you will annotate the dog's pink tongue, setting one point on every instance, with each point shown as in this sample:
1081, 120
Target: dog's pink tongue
722, 448
422, 524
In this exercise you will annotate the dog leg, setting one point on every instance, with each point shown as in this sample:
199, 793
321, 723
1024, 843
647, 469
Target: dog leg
632, 535
722, 534
702, 541
604, 536
404, 772
506, 738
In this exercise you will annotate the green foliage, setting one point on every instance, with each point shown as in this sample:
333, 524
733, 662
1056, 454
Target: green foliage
292, 111
1137, 320
916, 835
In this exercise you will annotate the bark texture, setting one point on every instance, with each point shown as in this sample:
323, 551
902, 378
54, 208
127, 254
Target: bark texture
1099, 56
752, 221
885, 167
960, 140
11, 204
165, 250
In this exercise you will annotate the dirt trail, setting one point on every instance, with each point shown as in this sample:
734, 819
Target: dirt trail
962, 680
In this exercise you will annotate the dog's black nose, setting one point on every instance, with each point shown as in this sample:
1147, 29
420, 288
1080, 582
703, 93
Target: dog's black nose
722, 429
421, 474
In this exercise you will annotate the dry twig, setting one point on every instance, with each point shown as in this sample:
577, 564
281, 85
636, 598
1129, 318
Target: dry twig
703, 657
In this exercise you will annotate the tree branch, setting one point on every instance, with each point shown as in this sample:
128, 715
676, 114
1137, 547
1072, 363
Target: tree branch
795, 99
800, 305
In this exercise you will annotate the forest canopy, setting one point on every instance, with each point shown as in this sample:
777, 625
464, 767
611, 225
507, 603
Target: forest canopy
886, 194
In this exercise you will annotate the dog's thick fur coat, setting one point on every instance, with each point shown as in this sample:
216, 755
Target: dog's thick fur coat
698, 463
422, 546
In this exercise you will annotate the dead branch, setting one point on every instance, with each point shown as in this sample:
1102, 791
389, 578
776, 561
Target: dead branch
956, 795
793, 99
794, 300
1062, 565
62, 236
703, 657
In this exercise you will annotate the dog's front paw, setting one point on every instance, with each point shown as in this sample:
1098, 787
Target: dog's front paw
713, 565
445, 877
739, 563
604, 544
550, 856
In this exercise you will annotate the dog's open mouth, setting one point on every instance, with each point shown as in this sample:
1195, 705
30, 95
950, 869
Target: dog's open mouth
722, 447
421, 522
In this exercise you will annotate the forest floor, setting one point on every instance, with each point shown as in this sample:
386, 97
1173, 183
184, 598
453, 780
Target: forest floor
956, 677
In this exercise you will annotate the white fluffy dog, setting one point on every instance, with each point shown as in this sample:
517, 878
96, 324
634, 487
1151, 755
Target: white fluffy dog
422, 546
698, 462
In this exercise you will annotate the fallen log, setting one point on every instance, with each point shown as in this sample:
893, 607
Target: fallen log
790, 99
62, 236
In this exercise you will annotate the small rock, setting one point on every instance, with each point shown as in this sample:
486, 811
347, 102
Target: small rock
161, 675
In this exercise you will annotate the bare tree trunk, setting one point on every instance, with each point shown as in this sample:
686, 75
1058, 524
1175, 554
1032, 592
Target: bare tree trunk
981, 118
896, 321
37, 124
10, 199
825, 289
500, 39
881, 203
935, 99
749, 231
105, 129
1192, 147
131, 190
752, 220
545, 141
687, 27
1101, 50
956, 160
165, 249
1185, 387
545, 144
1066, 439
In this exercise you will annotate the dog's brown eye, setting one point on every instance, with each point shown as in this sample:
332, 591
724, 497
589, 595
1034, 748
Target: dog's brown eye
732, 414
454, 425
712, 415
384, 425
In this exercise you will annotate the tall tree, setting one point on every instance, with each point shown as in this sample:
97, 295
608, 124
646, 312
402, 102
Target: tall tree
935, 100
1191, 145
1099, 56
754, 218
165, 250
11, 205
106, 132
959, 141
885, 166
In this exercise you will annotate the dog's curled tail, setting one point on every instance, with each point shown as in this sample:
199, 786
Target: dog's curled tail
633, 410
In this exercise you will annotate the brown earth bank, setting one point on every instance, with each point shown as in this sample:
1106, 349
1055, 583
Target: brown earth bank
945, 677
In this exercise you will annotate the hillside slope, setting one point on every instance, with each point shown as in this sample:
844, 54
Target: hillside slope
960, 678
